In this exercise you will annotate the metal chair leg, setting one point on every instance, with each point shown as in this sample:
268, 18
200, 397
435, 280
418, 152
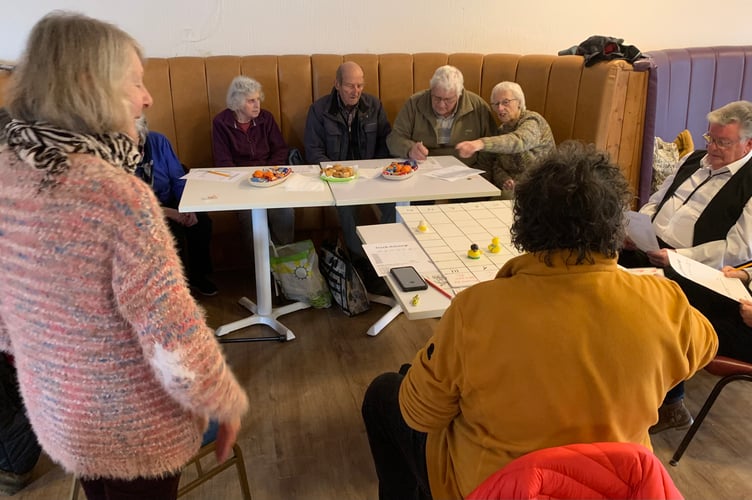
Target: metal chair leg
703, 413
242, 476
75, 487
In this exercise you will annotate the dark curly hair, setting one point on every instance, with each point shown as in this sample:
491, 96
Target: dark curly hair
573, 200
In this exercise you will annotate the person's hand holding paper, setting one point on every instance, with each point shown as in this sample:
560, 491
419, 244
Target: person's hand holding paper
640, 231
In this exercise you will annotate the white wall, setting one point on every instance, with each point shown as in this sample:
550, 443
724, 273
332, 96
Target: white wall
213, 27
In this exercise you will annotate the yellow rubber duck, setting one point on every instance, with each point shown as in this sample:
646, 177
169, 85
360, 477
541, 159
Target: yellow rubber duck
422, 226
494, 247
474, 252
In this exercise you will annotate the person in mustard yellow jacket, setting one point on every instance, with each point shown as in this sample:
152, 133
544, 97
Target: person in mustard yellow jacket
562, 347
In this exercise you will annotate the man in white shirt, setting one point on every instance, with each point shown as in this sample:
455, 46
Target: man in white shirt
704, 211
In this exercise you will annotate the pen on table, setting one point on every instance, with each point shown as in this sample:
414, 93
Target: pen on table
219, 173
438, 288
744, 266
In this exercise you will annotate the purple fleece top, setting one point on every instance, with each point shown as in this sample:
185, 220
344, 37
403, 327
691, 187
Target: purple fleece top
263, 144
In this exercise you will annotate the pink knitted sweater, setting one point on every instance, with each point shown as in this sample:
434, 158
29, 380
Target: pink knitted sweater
117, 368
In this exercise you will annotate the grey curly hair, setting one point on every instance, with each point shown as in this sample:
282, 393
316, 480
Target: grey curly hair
240, 88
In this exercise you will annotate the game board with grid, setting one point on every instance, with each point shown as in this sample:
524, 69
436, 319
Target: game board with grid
446, 232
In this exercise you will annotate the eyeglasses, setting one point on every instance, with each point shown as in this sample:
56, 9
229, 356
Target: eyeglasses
503, 102
719, 143
444, 100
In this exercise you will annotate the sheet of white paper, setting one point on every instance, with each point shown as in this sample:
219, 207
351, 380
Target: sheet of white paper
215, 174
385, 256
369, 173
644, 271
429, 164
300, 182
640, 230
454, 173
708, 277
307, 169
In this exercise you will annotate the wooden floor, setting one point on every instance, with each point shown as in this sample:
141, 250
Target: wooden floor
304, 438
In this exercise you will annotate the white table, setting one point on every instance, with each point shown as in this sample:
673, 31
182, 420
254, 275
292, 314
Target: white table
209, 196
451, 229
431, 304
370, 188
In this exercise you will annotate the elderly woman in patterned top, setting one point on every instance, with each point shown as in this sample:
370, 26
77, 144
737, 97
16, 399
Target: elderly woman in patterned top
524, 137
119, 372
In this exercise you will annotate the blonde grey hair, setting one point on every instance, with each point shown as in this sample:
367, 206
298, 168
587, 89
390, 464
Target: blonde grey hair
448, 78
240, 88
142, 128
72, 75
512, 87
734, 112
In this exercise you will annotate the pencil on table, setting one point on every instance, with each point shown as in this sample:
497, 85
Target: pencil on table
219, 173
438, 288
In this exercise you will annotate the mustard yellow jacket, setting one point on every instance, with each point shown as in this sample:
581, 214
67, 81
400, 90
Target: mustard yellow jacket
546, 356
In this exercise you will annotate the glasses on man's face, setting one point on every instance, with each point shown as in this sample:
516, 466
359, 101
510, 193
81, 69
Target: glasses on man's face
503, 102
444, 100
719, 143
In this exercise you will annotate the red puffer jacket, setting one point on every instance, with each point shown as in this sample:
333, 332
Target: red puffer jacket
593, 470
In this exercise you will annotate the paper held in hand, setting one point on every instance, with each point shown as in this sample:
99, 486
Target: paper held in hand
640, 231
708, 277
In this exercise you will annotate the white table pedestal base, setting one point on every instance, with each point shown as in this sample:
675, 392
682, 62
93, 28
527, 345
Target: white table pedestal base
263, 313
387, 318
270, 320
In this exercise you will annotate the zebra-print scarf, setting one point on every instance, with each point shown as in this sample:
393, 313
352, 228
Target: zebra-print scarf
47, 147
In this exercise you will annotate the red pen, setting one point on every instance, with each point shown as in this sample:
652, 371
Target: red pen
438, 288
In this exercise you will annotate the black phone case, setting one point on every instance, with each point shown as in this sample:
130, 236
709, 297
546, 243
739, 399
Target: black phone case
408, 278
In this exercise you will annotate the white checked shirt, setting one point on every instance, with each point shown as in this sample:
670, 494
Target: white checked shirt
675, 222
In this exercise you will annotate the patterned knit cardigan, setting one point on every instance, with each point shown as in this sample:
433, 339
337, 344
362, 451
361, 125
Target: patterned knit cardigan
118, 370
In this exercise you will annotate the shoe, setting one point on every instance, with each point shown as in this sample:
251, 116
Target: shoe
672, 416
11, 483
204, 286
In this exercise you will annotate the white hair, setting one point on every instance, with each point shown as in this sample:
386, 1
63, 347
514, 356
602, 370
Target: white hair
240, 88
448, 78
514, 88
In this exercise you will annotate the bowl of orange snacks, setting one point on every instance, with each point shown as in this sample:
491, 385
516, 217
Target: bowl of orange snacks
269, 176
400, 170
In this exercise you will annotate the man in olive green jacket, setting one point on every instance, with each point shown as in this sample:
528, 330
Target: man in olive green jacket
434, 120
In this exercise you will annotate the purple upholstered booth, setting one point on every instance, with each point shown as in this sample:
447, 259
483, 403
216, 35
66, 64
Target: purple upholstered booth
684, 85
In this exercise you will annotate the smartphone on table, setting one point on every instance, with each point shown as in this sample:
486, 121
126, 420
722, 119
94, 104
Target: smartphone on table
408, 278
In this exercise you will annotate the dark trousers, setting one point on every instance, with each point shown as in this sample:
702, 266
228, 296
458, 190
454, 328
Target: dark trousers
193, 245
734, 337
165, 488
399, 452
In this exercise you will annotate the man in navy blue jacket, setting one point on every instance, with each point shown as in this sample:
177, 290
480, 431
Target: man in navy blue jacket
348, 124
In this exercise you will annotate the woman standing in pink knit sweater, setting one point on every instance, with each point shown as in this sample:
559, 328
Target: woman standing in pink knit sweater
118, 370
